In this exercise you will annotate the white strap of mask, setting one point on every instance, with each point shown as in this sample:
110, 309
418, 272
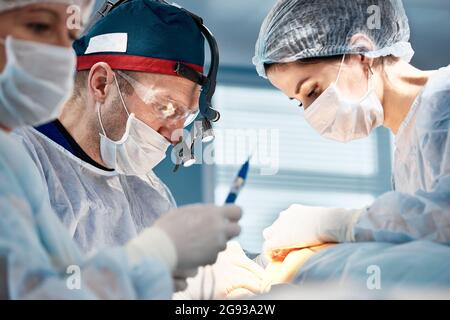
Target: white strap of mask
97, 106
120, 95
370, 79
340, 69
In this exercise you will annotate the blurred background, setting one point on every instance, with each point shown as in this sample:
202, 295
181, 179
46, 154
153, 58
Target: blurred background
312, 170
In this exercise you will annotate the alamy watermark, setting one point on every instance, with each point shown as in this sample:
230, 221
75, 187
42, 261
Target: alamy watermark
374, 19
74, 17
233, 147
374, 279
73, 281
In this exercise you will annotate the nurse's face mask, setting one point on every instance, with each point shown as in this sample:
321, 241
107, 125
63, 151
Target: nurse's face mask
35, 82
335, 117
139, 150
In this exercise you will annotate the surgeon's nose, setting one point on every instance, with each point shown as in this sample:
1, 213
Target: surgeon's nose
172, 131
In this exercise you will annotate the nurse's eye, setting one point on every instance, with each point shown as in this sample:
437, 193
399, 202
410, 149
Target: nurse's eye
312, 92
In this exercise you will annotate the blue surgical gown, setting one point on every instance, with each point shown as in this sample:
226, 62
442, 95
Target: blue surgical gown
419, 206
36, 250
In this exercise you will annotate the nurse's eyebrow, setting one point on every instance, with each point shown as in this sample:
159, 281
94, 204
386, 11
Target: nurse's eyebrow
44, 10
299, 85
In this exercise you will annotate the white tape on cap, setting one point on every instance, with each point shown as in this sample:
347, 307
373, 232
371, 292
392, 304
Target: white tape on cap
110, 42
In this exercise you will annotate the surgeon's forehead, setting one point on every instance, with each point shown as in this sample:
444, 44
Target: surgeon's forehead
175, 87
165, 79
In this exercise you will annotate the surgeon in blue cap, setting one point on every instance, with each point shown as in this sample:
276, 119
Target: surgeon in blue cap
127, 106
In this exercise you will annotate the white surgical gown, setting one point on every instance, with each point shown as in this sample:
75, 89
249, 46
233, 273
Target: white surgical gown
36, 249
98, 207
419, 206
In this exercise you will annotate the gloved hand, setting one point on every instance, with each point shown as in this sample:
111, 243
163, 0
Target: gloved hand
188, 237
180, 279
302, 226
233, 275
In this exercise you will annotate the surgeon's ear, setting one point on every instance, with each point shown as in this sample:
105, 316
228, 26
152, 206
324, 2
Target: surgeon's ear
100, 81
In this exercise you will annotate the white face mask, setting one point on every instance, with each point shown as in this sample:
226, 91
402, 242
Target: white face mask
35, 83
139, 150
338, 118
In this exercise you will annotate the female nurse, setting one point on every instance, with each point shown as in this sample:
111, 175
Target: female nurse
348, 65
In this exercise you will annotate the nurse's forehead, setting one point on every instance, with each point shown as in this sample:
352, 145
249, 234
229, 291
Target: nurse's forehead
283, 75
57, 10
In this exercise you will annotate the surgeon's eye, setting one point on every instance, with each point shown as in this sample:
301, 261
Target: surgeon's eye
38, 28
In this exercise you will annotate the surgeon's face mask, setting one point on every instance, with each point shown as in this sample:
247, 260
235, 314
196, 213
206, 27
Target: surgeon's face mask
335, 117
36, 81
139, 150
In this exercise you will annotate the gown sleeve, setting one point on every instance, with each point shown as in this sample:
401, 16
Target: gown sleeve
400, 217
39, 260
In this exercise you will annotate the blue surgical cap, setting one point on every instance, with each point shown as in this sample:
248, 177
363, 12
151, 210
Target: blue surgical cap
143, 35
299, 29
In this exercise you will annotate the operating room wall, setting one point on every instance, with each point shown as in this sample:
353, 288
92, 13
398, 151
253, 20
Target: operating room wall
236, 23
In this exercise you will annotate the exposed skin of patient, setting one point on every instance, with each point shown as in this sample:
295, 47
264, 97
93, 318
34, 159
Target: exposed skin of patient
236, 276
284, 265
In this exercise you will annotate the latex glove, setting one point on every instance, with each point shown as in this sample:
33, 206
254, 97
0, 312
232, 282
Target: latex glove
188, 237
303, 226
234, 275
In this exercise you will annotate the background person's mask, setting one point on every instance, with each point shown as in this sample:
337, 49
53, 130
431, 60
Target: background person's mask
36, 81
139, 150
335, 117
